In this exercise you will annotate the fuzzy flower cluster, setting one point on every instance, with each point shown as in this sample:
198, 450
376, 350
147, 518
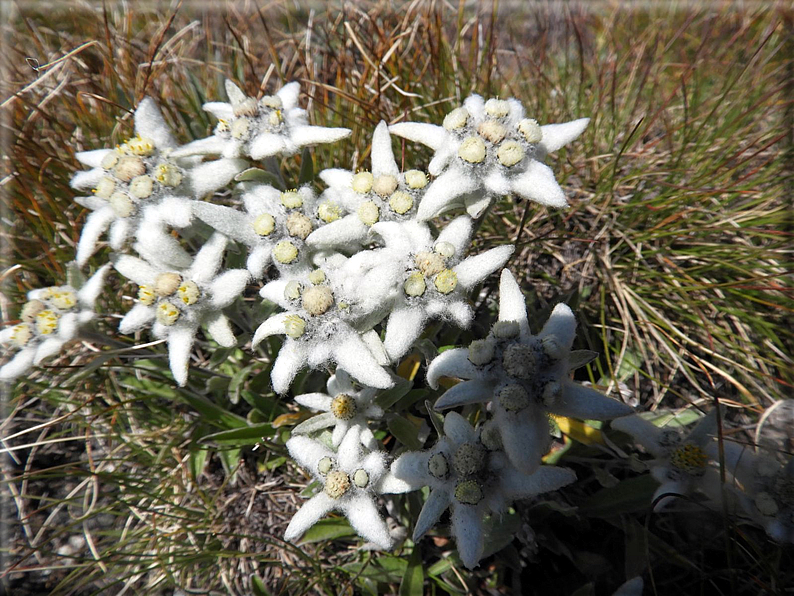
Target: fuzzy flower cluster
357, 271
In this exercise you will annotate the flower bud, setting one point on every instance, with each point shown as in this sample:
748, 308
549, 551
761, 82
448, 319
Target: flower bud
239, 128
291, 199
468, 492
167, 314
472, 150
361, 478
146, 295
415, 179
168, 174
438, 466
31, 309
166, 284
343, 407
294, 326
506, 329
140, 146
492, 130
518, 361
498, 108
264, 224
325, 465
510, 153
110, 160
317, 300
285, 252
401, 202
46, 322
480, 352
429, 263
469, 459
446, 281
329, 211
445, 249
189, 292
122, 205
337, 484
384, 185
21, 334
128, 168
141, 187
369, 213
271, 101
247, 107
298, 225
456, 119
362, 182
530, 129
292, 291
317, 277
513, 397
105, 187
415, 284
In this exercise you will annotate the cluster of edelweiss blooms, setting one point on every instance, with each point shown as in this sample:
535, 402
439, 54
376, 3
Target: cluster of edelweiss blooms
358, 256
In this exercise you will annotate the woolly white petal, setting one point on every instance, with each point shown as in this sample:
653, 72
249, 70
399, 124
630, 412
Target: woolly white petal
411, 468
291, 358
468, 532
353, 355
556, 136
18, 365
460, 313
512, 306
668, 493
464, 393
561, 324
312, 511
135, 269
266, 144
457, 428
382, 154
258, 260
525, 436
138, 317
538, 184
47, 348
365, 519
95, 225
87, 179
427, 134
220, 109
288, 95
404, 326
389, 484
209, 177
228, 221
475, 105
315, 401
372, 340
160, 248
67, 327
234, 93
208, 259
477, 204
87, 294
120, 231
150, 124
346, 231
436, 504
442, 157
273, 291
474, 270
220, 330
228, 286
308, 452
645, 433
340, 383
312, 135
314, 424
585, 403
441, 194
93, 203
272, 326
337, 178
496, 182
92, 159
209, 146
458, 233
545, 479
180, 344
176, 212
633, 587
452, 363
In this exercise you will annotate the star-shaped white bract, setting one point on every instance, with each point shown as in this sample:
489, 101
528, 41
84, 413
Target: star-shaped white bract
487, 149
433, 279
273, 125
176, 303
384, 194
49, 319
683, 465
135, 186
344, 407
274, 226
352, 478
523, 376
467, 473
768, 492
323, 322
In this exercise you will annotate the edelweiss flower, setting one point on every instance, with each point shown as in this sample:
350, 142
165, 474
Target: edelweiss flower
467, 472
274, 125
682, 465
486, 149
523, 376
352, 479
50, 318
274, 226
135, 185
177, 302
344, 408
768, 497
434, 278
322, 323
382, 195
